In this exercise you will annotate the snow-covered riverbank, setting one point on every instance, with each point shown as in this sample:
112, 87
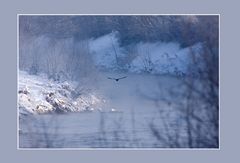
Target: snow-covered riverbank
37, 94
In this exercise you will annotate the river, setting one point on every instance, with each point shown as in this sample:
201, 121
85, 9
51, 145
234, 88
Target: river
138, 110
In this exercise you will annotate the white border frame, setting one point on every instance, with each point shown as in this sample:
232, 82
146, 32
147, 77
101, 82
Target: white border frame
122, 149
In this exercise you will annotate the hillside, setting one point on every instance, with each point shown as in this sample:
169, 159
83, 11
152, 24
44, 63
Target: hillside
38, 94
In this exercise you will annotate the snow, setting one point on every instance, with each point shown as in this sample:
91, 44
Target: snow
38, 94
102, 49
155, 58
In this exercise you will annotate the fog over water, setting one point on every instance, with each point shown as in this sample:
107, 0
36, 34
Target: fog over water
118, 82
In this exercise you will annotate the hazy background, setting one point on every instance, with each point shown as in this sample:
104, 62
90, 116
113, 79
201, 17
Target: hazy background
169, 98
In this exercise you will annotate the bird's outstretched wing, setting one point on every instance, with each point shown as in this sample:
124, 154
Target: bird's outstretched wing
122, 77
111, 78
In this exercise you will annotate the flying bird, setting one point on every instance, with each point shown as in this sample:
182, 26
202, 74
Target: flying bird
117, 79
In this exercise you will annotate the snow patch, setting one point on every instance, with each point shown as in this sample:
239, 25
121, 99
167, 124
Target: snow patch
105, 49
154, 58
38, 95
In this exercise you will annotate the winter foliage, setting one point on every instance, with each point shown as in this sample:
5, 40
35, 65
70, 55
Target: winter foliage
168, 96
